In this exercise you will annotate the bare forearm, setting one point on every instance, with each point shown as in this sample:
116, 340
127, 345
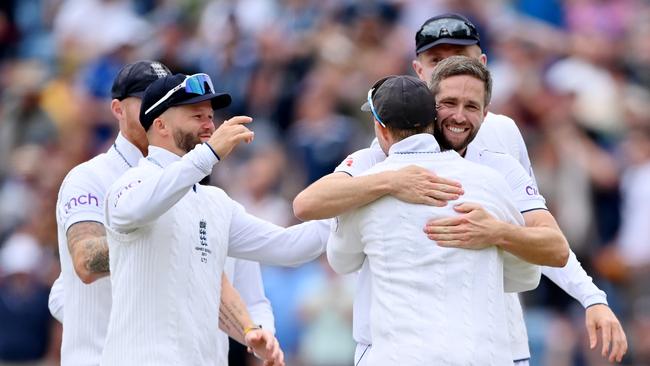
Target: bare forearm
89, 250
337, 193
96, 253
233, 315
538, 245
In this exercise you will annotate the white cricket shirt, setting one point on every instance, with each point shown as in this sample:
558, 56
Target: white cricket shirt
81, 198
428, 302
168, 238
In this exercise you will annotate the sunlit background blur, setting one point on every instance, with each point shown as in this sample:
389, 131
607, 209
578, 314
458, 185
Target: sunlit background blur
573, 74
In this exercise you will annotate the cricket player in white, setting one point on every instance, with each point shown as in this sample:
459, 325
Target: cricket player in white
429, 304
337, 193
169, 236
83, 288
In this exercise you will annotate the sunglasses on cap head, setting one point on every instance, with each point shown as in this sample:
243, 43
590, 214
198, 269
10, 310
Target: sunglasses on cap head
372, 107
193, 84
446, 28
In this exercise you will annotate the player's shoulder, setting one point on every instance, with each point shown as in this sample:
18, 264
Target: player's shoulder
87, 174
494, 158
372, 153
215, 192
381, 166
488, 174
83, 171
501, 120
361, 160
500, 124
131, 177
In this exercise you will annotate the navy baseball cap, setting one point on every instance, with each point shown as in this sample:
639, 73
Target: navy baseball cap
450, 28
134, 78
179, 89
402, 102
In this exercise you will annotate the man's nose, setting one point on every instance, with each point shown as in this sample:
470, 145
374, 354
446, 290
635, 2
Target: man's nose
458, 115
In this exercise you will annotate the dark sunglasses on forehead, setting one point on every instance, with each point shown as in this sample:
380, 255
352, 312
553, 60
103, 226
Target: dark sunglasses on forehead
446, 28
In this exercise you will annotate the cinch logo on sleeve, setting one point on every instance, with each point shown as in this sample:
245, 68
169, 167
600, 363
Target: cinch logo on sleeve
87, 199
532, 191
124, 189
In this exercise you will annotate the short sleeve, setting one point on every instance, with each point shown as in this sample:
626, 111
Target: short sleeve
81, 198
361, 160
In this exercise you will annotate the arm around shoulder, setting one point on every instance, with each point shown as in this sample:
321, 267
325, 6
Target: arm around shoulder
337, 193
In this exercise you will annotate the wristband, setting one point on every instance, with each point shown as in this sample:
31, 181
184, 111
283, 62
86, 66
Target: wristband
251, 328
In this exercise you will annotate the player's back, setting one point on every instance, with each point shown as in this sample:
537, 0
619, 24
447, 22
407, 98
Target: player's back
430, 302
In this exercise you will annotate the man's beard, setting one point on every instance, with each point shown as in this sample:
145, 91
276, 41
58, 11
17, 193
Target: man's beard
446, 144
186, 141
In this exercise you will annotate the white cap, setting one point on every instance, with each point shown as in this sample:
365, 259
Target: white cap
20, 254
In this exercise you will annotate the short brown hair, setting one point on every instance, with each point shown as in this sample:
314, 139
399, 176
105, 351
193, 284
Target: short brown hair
461, 65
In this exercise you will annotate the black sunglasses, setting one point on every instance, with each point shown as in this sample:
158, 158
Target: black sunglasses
445, 28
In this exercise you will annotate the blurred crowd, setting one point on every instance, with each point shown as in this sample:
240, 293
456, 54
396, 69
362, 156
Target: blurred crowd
573, 74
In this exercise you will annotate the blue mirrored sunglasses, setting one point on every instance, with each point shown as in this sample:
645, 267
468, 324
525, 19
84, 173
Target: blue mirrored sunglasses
193, 84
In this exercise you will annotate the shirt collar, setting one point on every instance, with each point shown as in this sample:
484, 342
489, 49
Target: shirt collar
161, 157
127, 150
420, 143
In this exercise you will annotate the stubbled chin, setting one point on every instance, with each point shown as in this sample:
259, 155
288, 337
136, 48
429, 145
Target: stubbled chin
456, 140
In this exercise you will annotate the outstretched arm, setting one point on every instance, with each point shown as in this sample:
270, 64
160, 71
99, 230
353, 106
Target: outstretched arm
338, 192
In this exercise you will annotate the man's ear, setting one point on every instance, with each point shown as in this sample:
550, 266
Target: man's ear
116, 109
417, 67
161, 126
483, 59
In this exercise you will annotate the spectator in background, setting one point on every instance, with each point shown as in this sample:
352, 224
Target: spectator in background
321, 137
627, 261
23, 120
26, 324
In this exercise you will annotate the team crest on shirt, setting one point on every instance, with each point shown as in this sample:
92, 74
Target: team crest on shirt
203, 240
